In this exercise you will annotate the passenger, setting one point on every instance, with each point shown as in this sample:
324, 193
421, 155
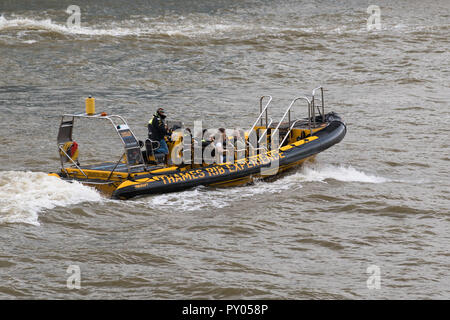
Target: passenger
206, 140
236, 136
187, 136
239, 144
221, 145
157, 130
188, 139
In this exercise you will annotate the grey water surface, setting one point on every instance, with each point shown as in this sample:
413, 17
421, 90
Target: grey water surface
379, 200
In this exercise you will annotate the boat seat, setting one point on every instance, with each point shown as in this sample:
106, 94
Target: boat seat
285, 125
160, 158
150, 147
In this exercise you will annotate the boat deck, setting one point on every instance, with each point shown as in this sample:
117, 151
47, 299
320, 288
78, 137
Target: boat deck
301, 124
106, 166
121, 167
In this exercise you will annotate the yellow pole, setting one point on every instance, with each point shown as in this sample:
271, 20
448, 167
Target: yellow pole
90, 106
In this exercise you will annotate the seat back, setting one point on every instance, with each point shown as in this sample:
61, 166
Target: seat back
151, 146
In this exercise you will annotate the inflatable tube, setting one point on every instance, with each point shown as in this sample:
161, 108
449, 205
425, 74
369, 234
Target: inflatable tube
288, 155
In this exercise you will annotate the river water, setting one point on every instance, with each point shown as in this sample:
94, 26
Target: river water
369, 219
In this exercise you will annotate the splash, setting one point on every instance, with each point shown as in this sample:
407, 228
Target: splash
126, 28
202, 198
321, 173
24, 194
48, 25
209, 198
192, 27
190, 200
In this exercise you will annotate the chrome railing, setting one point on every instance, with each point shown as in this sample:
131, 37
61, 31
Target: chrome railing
262, 111
313, 105
288, 113
311, 116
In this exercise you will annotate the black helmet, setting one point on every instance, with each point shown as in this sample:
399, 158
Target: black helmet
160, 112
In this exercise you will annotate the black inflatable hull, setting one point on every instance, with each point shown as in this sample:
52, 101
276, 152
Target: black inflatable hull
217, 174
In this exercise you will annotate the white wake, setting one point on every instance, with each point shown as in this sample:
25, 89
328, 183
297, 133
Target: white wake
209, 198
24, 194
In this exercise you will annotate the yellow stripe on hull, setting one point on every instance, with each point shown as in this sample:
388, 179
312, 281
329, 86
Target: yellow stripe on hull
250, 178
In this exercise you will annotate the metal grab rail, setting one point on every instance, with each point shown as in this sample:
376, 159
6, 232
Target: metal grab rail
290, 129
116, 121
313, 105
117, 163
262, 110
265, 131
288, 111
70, 158
264, 134
311, 116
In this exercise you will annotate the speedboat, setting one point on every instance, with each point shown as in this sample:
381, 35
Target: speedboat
265, 150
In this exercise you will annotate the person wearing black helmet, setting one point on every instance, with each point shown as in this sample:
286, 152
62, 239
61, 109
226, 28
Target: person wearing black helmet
157, 130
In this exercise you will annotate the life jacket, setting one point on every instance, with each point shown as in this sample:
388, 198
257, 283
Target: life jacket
71, 149
156, 128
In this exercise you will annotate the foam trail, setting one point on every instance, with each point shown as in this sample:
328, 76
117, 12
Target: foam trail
320, 173
207, 198
187, 28
24, 194
28, 23
195, 26
156, 27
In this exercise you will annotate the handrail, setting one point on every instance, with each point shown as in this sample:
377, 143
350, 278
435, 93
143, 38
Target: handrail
290, 129
322, 102
96, 116
117, 163
262, 110
311, 116
265, 131
113, 119
70, 158
288, 111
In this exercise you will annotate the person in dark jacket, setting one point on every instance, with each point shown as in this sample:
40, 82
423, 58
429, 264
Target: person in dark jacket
157, 130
